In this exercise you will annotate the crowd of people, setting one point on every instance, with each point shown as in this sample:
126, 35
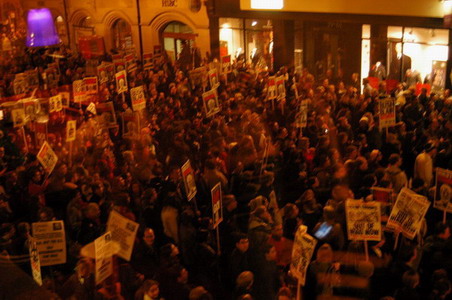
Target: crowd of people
274, 177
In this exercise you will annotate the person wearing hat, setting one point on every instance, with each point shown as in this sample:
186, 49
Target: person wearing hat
423, 166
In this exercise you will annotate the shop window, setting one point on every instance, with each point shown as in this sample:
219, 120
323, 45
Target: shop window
122, 35
231, 37
259, 42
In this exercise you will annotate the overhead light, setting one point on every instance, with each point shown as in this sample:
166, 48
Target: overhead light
254, 23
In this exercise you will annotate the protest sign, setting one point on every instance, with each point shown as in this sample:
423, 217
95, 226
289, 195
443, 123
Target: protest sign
47, 157
363, 220
123, 231
91, 85
301, 118
106, 116
385, 198
34, 260
51, 242
31, 108
102, 74
217, 206
198, 77
302, 251
148, 61
121, 82
131, 124
32, 78
20, 84
226, 64
55, 103
18, 116
104, 259
443, 191
189, 180
272, 92
211, 104
131, 64
78, 89
280, 87
120, 65
213, 79
407, 213
387, 112
138, 98
71, 130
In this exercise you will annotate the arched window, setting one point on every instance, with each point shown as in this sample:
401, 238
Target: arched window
121, 34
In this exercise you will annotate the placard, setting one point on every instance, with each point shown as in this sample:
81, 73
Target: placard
302, 251
385, 198
407, 213
443, 191
91, 85
55, 104
148, 61
34, 260
217, 205
301, 118
226, 64
102, 74
121, 82
51, 242
387, 112
211, 104
280, 87
106, 116
363, 220
189, 180
104, 259
213, 79
272, 92
18, 116
124, 232
138, 98
47, 157
198, 77
78, 89
71, 130
131, 64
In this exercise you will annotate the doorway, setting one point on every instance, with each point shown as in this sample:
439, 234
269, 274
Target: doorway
174, 35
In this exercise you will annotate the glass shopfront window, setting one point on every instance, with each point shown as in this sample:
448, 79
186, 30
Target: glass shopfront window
248, 39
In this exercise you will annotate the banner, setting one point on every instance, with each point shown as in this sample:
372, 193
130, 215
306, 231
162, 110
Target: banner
71, 130
301, 118
211, 104
217, 205
78, 89
189, 180
34, 260
51, 242
55, 104
387, 112
121, 82
302, 251
443, 190
124, 232
408, 212
138, 98
106, 116
272, 92
363, 220
213, 79
280, 87
226, 64
104, 259
148, 61
47, 157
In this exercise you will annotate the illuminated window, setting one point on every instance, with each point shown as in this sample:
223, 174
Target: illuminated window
267, 4
122, 34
